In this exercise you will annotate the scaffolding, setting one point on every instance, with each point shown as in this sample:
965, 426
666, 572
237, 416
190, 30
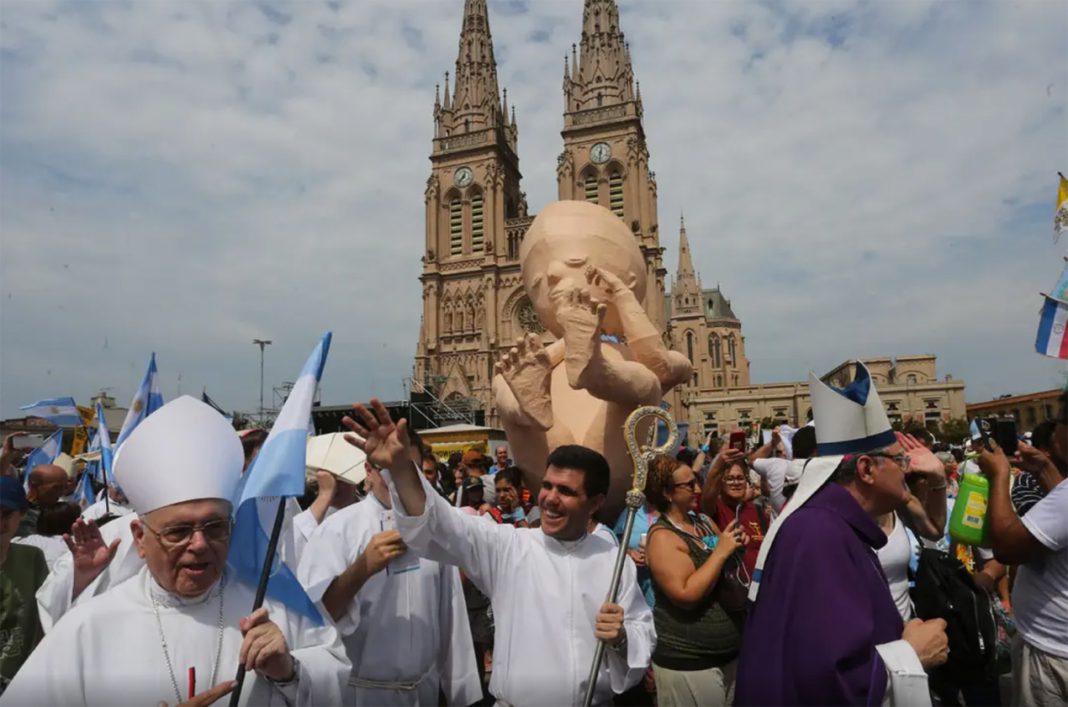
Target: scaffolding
428, 410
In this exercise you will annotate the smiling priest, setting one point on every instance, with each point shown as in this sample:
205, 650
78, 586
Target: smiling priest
181, 627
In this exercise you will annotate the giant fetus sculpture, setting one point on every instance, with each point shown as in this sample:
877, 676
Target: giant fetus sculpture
585, 276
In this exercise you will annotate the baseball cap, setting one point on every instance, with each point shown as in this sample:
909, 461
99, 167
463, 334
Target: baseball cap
12, 495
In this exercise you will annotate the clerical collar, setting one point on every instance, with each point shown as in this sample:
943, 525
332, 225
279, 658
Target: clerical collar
173, 601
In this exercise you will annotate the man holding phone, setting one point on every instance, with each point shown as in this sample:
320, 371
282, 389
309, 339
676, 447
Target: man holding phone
1038, 542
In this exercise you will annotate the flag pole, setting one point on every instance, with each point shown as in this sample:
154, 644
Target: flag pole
261, 589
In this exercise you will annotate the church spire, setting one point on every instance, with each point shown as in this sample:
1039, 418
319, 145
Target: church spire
474, 103
603, 75
686, 290
476, 97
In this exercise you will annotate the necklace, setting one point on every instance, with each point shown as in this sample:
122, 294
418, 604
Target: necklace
163, 641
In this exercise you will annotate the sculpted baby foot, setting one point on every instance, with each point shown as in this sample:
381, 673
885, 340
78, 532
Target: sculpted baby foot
581, 320
528, 372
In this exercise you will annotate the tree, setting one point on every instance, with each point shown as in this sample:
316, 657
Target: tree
956, 430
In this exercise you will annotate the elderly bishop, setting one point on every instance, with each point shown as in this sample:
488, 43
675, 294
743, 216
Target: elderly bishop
180, 627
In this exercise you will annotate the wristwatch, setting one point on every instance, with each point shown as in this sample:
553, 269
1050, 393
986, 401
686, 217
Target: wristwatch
621, 642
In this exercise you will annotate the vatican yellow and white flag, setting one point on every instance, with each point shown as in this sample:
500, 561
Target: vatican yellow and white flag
1060, 217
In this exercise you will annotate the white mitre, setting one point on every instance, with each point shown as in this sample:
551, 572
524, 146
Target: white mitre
330, 452
182, 452
849, 420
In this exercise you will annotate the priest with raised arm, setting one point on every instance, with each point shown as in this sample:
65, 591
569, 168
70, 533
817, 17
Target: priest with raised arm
548, 585
179, 628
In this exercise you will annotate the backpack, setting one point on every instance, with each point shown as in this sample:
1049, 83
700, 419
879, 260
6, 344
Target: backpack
945, 590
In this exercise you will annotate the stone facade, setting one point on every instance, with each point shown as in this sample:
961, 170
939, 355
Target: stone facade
1028, 410
908, 387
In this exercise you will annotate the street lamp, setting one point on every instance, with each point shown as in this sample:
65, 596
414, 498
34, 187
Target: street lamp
262, 343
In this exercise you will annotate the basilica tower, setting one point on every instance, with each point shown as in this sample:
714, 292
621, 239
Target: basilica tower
475, 216
605, 158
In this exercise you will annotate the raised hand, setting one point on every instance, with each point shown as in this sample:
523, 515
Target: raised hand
385, 442
91, 555
264, 648
921, 459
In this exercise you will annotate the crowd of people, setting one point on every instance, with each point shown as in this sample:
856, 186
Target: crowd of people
816, 566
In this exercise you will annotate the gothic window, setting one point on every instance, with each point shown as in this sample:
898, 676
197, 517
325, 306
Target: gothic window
694, 382
719, 380
456, 227
731, 352
714, 351
477, 233
615, 193
689, 345
734, 379
590, 185
447, 322
513, 246
527, 317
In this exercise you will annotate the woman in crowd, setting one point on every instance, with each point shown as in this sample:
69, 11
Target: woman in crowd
508, 509
727, 498
697, 639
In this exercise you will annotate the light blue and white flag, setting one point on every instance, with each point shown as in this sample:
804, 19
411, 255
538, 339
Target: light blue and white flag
146, 401
45, 454
277, 472
61, 412
104, 438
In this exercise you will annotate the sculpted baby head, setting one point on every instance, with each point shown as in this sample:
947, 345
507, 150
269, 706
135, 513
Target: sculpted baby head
567, 238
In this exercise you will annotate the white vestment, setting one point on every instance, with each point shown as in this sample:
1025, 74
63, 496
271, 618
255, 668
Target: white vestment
109, 651
546, 595
101, 507
52, 546
407, 633
54, 596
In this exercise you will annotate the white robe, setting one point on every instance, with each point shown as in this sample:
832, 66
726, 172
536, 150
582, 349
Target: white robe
109, 651
546, 595
54, 596
403, 628
100, 508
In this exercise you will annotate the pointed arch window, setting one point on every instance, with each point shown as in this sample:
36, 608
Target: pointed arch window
715, 351
689, 345
615, 192
589, 184
456, 227
477, 231
731, 352
447, 321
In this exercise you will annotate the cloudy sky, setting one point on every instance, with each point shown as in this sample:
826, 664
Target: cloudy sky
181, 177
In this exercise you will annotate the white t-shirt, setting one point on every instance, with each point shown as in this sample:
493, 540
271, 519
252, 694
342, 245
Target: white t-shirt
894, 556
774, 470
1040, 596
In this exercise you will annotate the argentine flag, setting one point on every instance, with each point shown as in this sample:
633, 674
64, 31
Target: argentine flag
147, 400
61, 412
104, 440
275, 473
45, 454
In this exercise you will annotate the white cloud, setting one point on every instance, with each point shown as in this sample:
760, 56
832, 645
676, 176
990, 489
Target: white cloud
862, 178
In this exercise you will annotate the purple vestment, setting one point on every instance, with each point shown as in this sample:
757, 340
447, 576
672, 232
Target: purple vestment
823, 606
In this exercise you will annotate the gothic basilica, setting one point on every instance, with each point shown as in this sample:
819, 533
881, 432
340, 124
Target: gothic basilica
476, 214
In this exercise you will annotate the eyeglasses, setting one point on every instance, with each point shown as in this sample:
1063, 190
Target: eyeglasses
692, 484
736, 481
902, 459
172, 536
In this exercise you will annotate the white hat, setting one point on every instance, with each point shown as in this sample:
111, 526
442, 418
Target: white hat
850, 420
330, 452
182, 452
65, 462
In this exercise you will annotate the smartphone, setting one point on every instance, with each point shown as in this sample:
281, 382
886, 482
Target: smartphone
1001, 429
642, 539
1005, 435
737, 441
27, 442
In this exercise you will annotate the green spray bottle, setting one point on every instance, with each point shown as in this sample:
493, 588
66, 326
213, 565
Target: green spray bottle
968, 524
